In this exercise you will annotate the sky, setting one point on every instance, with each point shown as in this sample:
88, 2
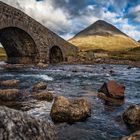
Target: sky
68, 17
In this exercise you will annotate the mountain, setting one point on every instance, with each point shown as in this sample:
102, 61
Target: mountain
104, 36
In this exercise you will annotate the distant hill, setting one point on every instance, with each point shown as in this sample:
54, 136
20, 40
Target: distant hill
2, 52
104, 36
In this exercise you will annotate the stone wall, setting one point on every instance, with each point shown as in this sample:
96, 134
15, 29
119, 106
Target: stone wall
43, 38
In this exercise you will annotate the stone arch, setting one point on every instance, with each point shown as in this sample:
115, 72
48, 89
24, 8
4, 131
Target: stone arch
41, 38
55, 55
19, 45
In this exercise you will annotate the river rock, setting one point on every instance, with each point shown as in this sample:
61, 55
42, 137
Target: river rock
132, 116
134, 136
110, 100
44, 95
129, 67
10, 83
65, 110
39, 86
113, 89
42, 65
16, 125
111, 71
9, 94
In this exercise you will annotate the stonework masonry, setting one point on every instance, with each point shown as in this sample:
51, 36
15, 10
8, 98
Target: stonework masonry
27, 41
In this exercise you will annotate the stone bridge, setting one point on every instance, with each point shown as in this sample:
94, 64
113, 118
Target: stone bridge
26, 41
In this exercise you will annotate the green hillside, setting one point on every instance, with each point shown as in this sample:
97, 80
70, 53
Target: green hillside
132, 54
102, 35
2, 53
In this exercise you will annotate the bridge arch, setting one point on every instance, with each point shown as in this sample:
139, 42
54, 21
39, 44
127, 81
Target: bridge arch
55, 55
31, 41
19, 45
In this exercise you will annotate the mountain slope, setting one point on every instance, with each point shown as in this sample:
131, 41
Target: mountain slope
102, 35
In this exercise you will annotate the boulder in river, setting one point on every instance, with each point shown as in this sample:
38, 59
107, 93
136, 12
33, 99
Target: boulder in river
109, 100
39, 86
111, 71
9, 94
42, 65
132, 116
112, 89
65, 110
44, 95
133, 136
16, 125
129, 67
10, 83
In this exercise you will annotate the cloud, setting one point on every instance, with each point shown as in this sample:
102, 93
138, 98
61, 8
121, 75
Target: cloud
68, 17
56, 19
73, 6
119, 4
131, 30
135, 13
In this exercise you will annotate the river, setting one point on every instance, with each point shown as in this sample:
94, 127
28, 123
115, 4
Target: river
76, 81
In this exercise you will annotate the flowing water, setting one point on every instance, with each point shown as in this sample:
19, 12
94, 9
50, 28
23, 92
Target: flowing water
76, 81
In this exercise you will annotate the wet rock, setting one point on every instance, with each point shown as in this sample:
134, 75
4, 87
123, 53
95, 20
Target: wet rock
111, 71
10, 83
134, 136
110, 100
132, 116
113, 89
104, 67
16, 125
14, 66
9, 94
75, 71
42, 65
129, 67
44, 95
64, 110
39, 86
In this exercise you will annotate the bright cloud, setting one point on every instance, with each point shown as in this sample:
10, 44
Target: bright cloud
68, 17
43, 11
135, 11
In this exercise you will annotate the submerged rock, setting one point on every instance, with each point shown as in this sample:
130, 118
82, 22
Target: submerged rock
109, 100
9, 94
129, 67
111, 71
64, 110
113, 89
44, 95
39, 86
10, 83
16, 125
132, 116
134, 136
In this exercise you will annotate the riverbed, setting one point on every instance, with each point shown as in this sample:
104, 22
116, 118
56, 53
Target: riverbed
81, 81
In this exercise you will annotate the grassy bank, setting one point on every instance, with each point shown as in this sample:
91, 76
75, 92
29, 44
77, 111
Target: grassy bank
132, 54
2, 54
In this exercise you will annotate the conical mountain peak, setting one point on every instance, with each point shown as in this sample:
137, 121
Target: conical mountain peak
101, 28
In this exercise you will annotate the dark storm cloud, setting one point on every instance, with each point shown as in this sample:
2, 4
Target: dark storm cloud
73, 6
68, 17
